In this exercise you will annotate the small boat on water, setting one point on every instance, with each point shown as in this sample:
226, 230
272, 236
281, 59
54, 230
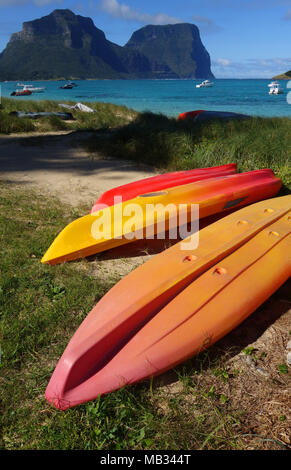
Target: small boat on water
69, 86
21, 92
34, 89
275, 88
31, 88
205, 84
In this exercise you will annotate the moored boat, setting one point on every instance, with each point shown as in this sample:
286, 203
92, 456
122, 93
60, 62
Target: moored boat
34, 89
275, 88
21, 93
205, 84
68, 86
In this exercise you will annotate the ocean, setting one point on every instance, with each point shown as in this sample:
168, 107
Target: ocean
170, 97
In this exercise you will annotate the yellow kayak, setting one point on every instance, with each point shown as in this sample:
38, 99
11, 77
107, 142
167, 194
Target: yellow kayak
144, 215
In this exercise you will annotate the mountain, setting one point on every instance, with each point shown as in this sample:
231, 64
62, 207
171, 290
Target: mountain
61, 44
65, 45
174, 51
283, 76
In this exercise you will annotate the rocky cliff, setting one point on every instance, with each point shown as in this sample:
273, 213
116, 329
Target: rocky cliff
173, 51
65, 45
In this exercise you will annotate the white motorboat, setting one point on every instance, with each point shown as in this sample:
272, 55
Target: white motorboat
275, 88
31, 88
205, 84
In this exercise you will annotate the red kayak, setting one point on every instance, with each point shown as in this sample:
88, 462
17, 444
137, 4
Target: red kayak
189, 114
202, 115
156, 183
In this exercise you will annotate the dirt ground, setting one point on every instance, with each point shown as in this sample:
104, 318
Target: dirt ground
57, 164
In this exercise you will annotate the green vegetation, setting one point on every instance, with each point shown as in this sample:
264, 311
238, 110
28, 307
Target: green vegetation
163, 142
283, 368
178, 145
41, 307
107, 115
283, 76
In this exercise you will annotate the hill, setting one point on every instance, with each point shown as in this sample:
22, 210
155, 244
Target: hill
283, 76
174, 51
65, 45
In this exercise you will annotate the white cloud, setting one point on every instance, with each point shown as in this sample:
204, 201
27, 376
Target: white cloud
207, 25
250, 68
125, 12
223, 62
245, 4
46, 2
39, 3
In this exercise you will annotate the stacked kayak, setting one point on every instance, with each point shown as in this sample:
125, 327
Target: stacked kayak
84, 237
156, 183
182, 302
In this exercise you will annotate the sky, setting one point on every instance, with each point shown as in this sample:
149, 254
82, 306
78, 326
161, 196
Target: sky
245, 38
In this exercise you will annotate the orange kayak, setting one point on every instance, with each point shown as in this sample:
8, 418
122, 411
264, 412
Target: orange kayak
83, 237
177, 304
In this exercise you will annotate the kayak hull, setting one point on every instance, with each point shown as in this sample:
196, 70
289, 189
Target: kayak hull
182, 302
163, 181
114, 225
203, 115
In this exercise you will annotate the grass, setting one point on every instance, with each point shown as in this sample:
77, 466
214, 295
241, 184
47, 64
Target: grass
172, 145
163, 142
107, 116
41, 307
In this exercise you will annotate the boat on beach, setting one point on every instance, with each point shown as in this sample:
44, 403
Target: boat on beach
205, 84
275, 88
108, 228
176, 304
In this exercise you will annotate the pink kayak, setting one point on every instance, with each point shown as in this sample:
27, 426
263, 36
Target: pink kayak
156, 183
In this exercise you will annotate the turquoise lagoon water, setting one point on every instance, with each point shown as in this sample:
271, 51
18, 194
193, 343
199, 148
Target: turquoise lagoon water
170, 97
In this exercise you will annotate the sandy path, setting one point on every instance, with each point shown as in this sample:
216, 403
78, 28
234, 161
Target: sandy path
57, 163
